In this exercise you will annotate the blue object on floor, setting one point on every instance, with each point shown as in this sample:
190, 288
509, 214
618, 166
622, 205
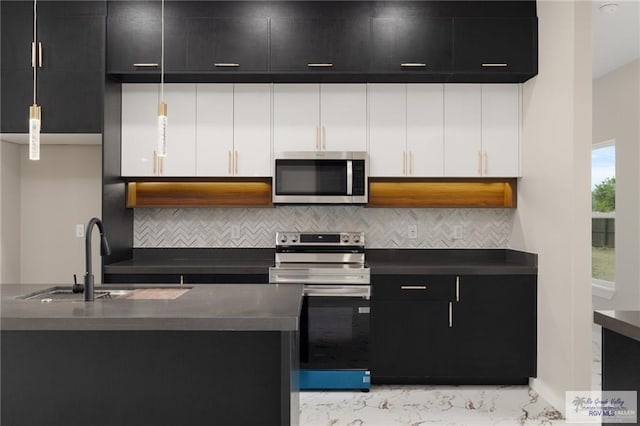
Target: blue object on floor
335, 379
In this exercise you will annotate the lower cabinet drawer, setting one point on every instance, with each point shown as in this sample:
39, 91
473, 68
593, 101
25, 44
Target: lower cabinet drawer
414, 287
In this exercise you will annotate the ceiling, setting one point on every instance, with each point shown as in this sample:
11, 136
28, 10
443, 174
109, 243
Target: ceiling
616, 36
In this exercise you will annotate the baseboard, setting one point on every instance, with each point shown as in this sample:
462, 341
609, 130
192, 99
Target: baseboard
557, 400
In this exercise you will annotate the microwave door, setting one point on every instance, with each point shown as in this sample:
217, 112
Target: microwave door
349, 177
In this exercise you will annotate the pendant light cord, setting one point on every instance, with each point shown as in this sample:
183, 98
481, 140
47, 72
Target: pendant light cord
35, 66
162, 53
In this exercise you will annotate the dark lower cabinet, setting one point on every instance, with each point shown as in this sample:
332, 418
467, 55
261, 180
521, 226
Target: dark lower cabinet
485, 333
70, 66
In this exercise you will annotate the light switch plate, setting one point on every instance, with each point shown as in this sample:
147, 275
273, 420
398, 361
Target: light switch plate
79, 230
458, 232
412, 232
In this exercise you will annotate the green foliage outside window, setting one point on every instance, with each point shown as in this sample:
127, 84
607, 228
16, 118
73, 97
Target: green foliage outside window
604, 196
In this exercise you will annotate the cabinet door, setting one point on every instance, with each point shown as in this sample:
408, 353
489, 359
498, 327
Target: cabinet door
134, 37
412, 45
343, 114
299, 43
296, 117
214, 130
387, 130
181, 130
411, 340
496, 317
501, 130
139, 129
225, 44
495, 45
252, 129
425, 130
462, 134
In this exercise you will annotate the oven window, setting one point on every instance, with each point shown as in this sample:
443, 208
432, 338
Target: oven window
311, 177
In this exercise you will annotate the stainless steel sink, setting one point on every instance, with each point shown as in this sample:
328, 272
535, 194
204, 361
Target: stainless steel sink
60, 293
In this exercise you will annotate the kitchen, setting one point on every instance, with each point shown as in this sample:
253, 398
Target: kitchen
548, 123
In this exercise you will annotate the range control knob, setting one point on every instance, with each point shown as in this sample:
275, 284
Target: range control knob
294, 238
356, 238
345, 238
283, 239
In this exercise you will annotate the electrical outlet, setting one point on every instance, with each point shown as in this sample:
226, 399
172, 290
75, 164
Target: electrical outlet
458, 232
79, 230
412, 232
235, 232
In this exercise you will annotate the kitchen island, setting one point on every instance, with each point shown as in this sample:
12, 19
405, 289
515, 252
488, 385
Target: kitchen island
216, 354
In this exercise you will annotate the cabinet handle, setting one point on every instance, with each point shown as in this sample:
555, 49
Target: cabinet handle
413, 287
404, 162
410, 162
145, 65
40, 54
319, 64
161, 161
155, 162
236, 158
480, 163
324, 137
485, 160
457, 288
450, 315
317, 137
494, 64
33, 54
226, 65
413, 65
229, 163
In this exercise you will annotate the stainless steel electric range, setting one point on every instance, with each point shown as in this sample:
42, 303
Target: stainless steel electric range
334, 322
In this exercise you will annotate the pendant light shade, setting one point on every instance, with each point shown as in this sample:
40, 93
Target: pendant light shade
34, 132
161, 149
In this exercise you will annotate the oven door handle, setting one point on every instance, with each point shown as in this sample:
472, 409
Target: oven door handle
363, 291
349, 177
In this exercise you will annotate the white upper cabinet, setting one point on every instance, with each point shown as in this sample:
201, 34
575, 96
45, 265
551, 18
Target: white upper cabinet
140, 131
406, 130
252, 130
425, 130
482, 130
462, 131
319, 117
500, 130
214, 130
387, 130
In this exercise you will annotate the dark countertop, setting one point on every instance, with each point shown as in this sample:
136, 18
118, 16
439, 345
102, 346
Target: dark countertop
212, 307
626, 323
381, 261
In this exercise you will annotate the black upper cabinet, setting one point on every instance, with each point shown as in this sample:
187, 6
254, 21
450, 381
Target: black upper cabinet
319, 45
70, 74
134, 37
412, 45
227, 44
493, 49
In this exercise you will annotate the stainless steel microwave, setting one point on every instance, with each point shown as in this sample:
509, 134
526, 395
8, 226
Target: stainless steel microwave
321, 177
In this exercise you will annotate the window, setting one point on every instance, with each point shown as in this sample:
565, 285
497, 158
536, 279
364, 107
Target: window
603, 195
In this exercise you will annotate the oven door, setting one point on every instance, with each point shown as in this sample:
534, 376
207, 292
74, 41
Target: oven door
334, 328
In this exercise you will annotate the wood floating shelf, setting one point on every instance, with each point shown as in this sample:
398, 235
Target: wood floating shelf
254, 193
442, 193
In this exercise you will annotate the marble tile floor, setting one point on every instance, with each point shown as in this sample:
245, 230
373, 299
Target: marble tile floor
437, 405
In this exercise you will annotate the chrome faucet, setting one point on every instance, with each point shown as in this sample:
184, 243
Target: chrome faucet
104, 251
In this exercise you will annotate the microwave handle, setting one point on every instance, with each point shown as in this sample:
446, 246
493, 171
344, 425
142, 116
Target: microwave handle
349, 177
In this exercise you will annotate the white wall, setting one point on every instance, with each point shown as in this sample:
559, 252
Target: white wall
616, 115
61, 190
554, 199
9, 213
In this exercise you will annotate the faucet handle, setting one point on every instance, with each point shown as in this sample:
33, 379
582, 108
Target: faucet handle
77, 288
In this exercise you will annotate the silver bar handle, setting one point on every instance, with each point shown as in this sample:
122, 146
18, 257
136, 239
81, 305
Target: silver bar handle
410, 162
324, 137
317, 137
145, 65
320, 64
485, 161
413, 65
494, 64
413, 287
457, 288
450, 315
226, 65
40, 54
229, 163
404, 162
349, 177
363, 291
33, 54
236, 161
480, 163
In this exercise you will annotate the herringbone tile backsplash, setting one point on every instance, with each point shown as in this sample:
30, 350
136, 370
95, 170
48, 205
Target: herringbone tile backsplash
384, 228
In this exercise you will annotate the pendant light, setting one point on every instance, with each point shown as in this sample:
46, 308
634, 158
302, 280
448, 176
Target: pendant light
162, 106
34, 110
